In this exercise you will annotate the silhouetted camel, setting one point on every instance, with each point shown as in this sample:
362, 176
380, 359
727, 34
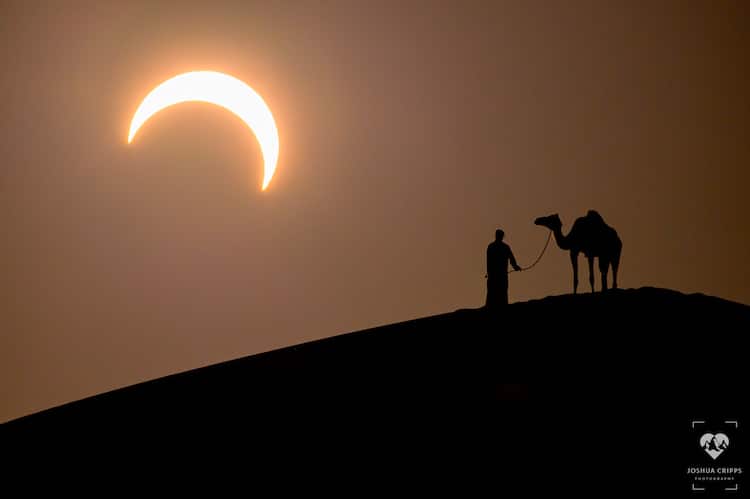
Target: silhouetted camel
594, 238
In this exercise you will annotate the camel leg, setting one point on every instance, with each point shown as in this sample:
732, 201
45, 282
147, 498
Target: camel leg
574, 263
615, 266
614, 276
591, 272
603, 268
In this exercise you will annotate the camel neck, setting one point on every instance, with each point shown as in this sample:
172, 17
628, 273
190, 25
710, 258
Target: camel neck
560, 239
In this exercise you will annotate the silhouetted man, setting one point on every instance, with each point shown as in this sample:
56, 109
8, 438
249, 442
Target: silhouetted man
498, 255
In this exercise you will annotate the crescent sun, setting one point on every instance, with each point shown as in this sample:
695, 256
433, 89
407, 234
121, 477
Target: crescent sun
225, 91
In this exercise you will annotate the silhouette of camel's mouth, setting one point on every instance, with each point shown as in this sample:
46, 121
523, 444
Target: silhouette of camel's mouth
539, 221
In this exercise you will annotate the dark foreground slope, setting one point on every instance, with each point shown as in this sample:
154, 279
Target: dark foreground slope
548, 383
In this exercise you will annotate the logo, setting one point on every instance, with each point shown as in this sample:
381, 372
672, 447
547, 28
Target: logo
714, 445
705, 473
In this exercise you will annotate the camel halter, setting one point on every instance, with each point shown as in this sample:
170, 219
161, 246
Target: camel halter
537, 258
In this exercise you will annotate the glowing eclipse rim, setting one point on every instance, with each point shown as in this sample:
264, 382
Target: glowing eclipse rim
222, 90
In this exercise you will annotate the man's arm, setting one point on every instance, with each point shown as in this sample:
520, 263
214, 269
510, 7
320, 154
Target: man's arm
513, 260
489, 258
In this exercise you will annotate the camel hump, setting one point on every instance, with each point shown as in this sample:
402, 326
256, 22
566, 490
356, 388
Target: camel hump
587, 226
595, 217
597, 224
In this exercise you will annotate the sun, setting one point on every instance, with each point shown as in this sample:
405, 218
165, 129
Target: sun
222, 90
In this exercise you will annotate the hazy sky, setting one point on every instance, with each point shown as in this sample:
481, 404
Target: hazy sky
409, 132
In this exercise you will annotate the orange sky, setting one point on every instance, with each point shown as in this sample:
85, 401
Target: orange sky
409, 132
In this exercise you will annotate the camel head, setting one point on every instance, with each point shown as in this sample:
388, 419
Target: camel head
552, 222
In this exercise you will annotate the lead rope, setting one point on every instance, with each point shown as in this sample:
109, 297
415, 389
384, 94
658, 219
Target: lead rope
539, 257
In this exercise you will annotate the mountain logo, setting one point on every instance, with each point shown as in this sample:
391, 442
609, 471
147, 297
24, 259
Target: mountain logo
714, 445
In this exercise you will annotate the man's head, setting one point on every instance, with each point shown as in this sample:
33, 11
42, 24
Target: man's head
499, 235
